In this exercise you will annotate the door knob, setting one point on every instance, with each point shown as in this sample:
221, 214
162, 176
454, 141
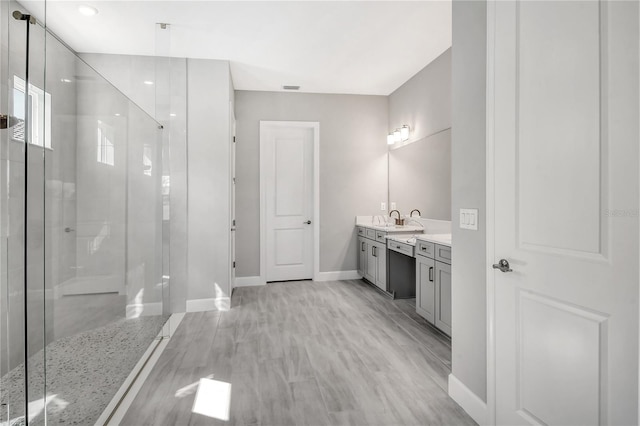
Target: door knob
503, 265
308, 222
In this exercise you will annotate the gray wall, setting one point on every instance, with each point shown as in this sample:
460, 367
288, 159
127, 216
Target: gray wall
353, 168
420, 169
469, 191
424, 101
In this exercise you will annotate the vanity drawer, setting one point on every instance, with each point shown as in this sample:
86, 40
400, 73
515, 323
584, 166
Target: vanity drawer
443, 254
370, 233
400, 247
360, 231
381, 236
425, 248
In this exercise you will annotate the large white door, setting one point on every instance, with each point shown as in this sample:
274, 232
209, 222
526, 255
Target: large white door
287, 158
565, 132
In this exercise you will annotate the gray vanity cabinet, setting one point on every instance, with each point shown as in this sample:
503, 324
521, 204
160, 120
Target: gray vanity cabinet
443, 296
381, 266
426, 288
372, 257
362, 255
370, 271
433, 284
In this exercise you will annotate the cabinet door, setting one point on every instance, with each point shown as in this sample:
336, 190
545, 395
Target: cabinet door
362, 256
381, 266
425, 288
370, 264
443, 297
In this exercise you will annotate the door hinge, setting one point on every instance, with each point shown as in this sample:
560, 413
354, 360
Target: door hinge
234, 139
234, 222
234, 263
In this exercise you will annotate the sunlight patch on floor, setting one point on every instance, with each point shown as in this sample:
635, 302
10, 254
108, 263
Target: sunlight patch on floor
213, 399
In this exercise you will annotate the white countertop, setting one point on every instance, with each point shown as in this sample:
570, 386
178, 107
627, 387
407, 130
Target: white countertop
443, 239
394, 228
407, 239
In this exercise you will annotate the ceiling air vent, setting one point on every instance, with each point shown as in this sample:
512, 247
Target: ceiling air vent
291, 87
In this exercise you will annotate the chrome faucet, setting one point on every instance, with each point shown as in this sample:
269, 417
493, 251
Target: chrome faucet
414, 210
399, 220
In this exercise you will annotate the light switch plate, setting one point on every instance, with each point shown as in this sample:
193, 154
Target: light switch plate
393, 206
469, 219
383, 206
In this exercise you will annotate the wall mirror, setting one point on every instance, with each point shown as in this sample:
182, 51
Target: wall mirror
420, 176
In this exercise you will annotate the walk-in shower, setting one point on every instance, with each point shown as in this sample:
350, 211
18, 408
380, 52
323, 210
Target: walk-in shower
83, 205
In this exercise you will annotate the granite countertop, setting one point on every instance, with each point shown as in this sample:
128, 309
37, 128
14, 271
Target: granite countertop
442, 239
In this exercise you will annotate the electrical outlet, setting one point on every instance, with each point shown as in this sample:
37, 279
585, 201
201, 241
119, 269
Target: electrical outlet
383, 206
393, 206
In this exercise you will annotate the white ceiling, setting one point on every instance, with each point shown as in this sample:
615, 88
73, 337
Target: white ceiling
360, 47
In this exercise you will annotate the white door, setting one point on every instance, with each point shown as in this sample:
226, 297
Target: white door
565, 134
287, 159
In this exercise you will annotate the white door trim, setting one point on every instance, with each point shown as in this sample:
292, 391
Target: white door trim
232, 196
490, 222
315, 126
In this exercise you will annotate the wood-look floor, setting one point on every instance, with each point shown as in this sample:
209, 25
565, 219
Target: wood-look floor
306, 353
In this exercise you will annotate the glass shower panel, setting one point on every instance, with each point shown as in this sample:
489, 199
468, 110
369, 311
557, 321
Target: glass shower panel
104, 238
82, 286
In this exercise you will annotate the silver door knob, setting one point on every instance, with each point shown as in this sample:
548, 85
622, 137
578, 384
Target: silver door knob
308, 222
503, 265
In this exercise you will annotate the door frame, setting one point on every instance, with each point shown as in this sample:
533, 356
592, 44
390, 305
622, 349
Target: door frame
232, 196
315, 126
490, 212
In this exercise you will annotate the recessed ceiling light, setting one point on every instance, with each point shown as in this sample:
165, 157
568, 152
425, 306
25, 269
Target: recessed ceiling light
172, 115
148, 83
65, 80
117, 114
87, 10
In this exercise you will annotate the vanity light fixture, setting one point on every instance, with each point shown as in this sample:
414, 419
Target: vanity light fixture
397, 135
87, 10
404, 132
391, 139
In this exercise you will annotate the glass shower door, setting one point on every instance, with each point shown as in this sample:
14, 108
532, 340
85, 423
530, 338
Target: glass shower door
22, 295
82, 285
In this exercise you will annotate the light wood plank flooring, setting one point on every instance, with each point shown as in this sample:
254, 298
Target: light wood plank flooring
306, 353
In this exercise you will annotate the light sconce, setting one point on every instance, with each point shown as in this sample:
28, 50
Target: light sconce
397, 136
404, 132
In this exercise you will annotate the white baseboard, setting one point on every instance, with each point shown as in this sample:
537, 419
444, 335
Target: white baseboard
469, 401
212, 304
143, 310
337, 275
249, 281
121, 401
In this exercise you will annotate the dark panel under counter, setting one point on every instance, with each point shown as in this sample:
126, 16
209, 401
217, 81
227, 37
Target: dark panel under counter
401, 275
